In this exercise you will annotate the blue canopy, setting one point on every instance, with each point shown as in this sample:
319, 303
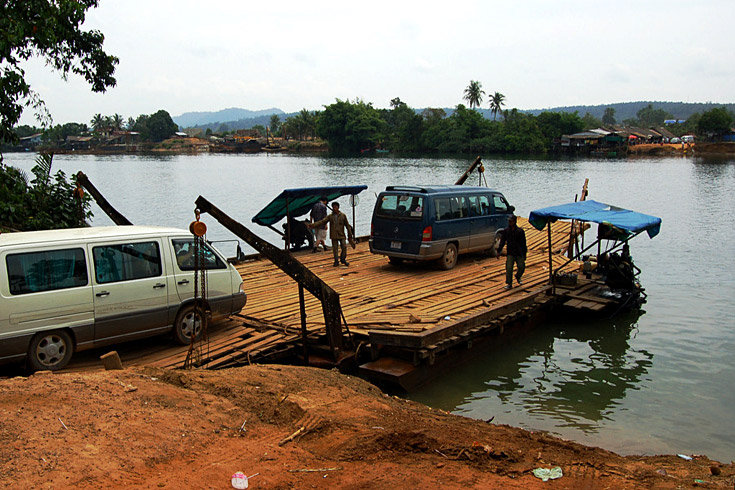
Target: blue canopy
300, 202
598, 212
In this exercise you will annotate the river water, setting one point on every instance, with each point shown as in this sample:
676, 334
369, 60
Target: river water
656, 382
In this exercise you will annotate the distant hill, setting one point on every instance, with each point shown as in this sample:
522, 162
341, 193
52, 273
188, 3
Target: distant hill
628, 110
196, 119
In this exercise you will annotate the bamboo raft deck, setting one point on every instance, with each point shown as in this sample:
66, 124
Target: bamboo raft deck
414, 304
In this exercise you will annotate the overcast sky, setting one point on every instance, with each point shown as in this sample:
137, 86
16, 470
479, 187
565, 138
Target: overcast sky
185, 56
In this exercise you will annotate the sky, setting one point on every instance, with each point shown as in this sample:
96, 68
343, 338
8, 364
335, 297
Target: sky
185, 56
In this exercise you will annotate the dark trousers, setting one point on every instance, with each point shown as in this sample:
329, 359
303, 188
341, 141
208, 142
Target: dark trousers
520, 264
342, 243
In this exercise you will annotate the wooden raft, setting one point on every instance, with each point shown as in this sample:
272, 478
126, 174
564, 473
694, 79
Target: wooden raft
413, 297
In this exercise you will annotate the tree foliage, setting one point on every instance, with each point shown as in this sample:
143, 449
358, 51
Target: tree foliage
46, 202
497, 101
473, 94
608, 118
715, 122
52, 31
349, 127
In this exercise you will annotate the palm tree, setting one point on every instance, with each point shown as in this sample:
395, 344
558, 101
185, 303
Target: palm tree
496, 103
473, 94
116, 121
98, 122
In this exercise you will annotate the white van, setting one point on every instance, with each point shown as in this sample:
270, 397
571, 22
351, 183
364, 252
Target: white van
69, 290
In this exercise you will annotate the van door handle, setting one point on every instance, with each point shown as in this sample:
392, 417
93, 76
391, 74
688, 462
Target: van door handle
159, 285
102, 293
183, 281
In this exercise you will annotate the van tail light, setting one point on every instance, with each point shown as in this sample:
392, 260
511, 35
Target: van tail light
426, 234
372, 229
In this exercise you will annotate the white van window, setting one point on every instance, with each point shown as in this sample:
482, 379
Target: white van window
126, 262
401, 206
184, 250
34, 272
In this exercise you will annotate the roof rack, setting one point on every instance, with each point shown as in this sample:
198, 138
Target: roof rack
404, 188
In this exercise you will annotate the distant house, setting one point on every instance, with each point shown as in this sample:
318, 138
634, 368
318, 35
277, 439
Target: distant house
32, 141
78, 142
180, 134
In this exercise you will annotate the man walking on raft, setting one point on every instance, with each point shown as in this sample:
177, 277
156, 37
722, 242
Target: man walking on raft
515, 237
337, 223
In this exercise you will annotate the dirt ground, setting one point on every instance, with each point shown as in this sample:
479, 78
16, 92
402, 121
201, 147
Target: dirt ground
152, 428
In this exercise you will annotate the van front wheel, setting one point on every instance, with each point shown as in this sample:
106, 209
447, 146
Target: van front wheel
449, 258
188, 323
50, 350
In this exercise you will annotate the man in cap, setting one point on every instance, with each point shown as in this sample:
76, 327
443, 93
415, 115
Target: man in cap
337, 224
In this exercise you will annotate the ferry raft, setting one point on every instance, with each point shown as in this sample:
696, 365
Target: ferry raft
403, 324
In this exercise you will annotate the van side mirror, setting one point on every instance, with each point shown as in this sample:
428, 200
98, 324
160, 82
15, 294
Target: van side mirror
511, 208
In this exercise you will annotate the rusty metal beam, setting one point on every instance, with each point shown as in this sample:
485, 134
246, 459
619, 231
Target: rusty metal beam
290, 265
467, 173
113, 213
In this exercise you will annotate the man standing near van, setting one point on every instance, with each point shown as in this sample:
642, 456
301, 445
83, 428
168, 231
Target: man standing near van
319, 212
337, 223
515, 237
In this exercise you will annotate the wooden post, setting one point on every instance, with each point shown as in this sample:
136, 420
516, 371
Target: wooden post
551, 264
302, 308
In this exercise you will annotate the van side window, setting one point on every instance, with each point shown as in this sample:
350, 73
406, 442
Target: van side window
126, 262
484, 205
184, 251
499, 204
34, 272
400, 206
450, 208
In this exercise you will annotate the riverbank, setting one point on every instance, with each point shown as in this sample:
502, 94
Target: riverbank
291, 426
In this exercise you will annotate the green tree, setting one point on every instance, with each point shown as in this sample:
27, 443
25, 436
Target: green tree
714, 123
555, 124
46, 202
349, 127
161, 126
496, 103
50, 30
116, 122
649, 117
473, 94
275, 124
608, 118
98, 123
405, 128
590, 121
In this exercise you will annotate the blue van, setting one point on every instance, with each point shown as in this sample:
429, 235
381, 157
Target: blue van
437, 222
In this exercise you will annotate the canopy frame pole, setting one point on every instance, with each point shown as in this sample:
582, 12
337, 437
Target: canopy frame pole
304, 332
551, 264
288, 228
354, 205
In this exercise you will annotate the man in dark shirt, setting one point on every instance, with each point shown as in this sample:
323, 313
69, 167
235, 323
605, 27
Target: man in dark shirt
515, 237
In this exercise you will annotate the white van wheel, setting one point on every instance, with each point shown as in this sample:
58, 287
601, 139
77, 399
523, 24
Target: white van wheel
449, 258
188, 323
50, 350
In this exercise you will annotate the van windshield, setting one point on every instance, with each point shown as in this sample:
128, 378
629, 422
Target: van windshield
400, 206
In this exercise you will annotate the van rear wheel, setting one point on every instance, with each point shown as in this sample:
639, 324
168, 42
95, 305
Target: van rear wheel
449, 258
50, 350
188, 323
